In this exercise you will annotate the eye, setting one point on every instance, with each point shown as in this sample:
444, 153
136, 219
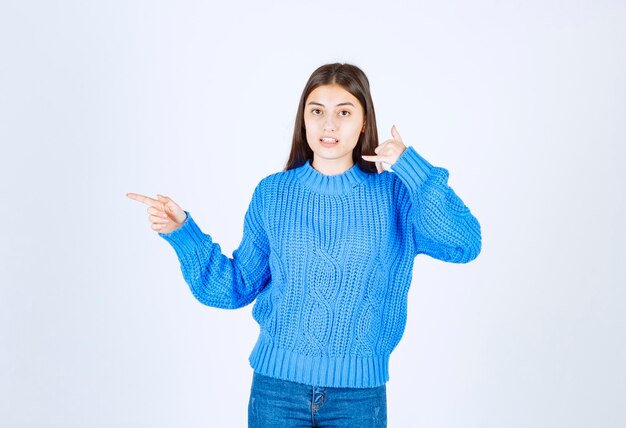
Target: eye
347, 113
316, 111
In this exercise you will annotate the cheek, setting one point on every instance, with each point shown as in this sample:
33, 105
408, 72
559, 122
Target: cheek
356, 128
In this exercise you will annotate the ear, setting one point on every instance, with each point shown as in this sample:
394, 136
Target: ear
363, 128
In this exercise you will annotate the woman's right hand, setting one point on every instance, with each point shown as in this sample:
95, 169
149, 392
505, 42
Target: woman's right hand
165, 215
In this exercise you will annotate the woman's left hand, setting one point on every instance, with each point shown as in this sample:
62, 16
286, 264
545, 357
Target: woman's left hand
387, 152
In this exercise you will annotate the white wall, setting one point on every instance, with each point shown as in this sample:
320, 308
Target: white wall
524, 102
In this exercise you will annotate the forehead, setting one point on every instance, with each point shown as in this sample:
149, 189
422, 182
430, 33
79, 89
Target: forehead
331, 95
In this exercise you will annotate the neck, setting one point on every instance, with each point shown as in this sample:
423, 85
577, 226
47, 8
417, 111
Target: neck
333, 166
328, 184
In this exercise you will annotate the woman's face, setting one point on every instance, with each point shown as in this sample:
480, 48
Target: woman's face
333, 119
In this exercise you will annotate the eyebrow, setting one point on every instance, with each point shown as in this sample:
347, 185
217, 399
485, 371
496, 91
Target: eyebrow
340, 104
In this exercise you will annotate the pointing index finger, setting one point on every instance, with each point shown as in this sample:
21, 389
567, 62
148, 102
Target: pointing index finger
145, 200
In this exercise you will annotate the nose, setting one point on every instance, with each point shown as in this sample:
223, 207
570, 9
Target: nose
329, 124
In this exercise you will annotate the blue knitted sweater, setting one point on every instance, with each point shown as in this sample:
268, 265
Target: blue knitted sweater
329, 260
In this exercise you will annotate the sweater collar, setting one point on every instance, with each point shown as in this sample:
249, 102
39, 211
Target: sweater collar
330, 184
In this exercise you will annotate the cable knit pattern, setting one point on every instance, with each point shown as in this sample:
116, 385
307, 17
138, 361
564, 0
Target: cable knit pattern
329, 260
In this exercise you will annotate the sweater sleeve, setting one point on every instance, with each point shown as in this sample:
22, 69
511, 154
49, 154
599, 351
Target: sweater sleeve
442, 226
215, 279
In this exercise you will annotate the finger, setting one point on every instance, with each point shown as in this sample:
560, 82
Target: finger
396, 134
156, 212
168, 203
370, 158
144, 199
379, 167
154, 219
378, 158
158, 227
165, 201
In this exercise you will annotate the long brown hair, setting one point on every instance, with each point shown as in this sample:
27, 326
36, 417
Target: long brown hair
353, 80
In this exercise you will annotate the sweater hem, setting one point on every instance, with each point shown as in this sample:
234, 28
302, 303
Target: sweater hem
330, 372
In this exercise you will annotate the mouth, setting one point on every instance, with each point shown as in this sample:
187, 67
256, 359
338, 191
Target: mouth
328, 140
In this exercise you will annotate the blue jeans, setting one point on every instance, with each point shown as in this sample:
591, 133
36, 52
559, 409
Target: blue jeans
280, 403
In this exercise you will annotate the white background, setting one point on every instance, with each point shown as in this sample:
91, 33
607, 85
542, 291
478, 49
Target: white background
524, 102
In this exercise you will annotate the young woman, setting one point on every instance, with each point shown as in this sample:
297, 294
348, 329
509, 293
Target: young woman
327, 252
